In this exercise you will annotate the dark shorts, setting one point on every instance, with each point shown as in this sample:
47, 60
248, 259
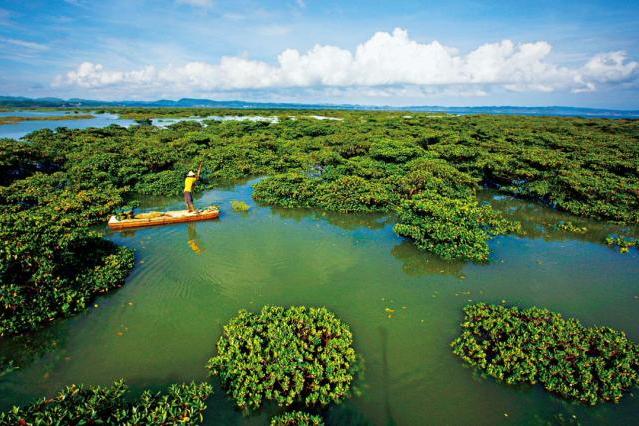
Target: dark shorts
188, 197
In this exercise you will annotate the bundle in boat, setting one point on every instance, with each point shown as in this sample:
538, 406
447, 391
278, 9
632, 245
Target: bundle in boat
164, 218
149, 215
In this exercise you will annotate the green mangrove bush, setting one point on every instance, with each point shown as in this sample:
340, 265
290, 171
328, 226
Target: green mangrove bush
86, 405
587, 364
451, 227
297, 418
50, 268
295, 355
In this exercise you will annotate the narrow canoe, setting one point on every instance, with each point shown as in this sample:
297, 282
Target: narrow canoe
166, 218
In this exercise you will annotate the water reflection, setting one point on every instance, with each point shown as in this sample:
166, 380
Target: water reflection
19, 352
543, 222
194, 241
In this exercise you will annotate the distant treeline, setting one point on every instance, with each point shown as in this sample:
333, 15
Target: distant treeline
562, 111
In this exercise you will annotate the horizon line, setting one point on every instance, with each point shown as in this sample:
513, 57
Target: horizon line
8, 98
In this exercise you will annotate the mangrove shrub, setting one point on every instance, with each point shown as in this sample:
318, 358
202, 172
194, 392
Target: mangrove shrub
295, 355
51, 267
86, 405
587, 364
451, 227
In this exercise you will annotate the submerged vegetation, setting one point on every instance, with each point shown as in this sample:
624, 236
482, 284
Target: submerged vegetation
588, 364
78, 405
295, 355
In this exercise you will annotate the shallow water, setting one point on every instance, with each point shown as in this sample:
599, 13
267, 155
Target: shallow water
165, 122
191, 278
23, 128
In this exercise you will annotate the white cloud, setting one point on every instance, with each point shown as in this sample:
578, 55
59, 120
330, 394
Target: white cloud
197, 3
386, 63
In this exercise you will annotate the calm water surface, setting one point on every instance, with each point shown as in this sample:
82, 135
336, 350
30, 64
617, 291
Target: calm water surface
23, 128
190, 279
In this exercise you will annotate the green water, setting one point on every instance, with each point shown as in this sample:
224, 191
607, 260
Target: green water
191, 278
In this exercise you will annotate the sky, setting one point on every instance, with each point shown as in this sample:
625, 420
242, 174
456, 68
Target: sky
402, 52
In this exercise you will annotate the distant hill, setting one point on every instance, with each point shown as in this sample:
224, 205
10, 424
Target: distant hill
22, 102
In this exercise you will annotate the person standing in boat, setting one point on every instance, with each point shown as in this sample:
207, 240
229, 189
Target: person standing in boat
189, 183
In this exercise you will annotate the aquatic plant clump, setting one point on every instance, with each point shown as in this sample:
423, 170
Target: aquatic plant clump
52, 267
587, 364
570, 227
297, 418
295, 355
624, 243
451, 227
240, 206
181, 404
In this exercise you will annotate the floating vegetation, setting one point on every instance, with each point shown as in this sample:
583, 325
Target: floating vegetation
240, 206
297, 418
295, 355
587, 364
570, 227
622, 242
181, 404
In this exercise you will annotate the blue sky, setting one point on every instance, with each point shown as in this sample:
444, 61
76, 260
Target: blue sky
578, 53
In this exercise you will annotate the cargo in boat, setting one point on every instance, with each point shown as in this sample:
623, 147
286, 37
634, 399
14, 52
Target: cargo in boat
163, 218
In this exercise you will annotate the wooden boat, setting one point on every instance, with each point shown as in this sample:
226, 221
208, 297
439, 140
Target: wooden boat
164, 218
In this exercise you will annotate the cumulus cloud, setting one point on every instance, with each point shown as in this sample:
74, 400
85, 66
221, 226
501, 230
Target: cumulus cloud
387, 61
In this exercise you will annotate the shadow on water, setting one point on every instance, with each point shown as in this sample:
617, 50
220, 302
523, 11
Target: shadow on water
416, 262
346, 414
386, 382
345, 221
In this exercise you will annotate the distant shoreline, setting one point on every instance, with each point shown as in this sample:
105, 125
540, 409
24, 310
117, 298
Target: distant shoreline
14, 120
558, 111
